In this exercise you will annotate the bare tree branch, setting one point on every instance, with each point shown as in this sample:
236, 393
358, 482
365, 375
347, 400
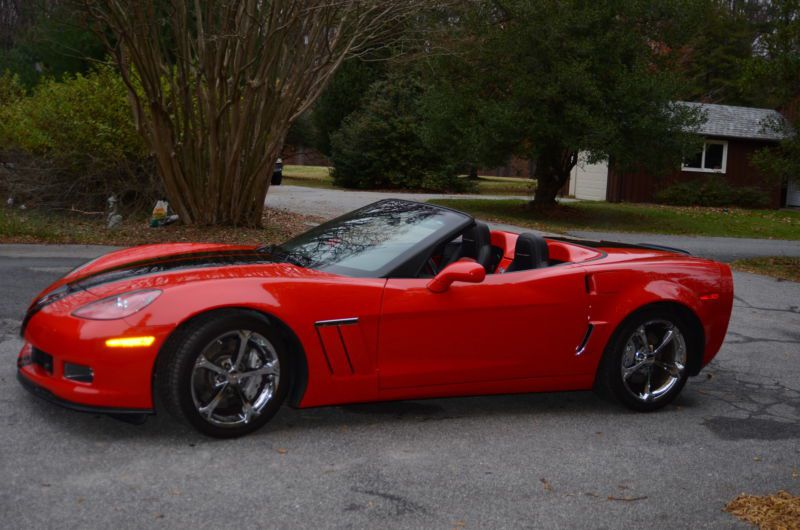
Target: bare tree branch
215, 84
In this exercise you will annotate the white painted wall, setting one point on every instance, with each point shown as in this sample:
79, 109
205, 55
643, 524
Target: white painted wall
793, 193
589, 181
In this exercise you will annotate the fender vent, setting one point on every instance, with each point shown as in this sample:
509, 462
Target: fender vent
334, 346
582, 346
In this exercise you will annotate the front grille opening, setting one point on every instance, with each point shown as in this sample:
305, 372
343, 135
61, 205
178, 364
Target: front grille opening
45, 360
78, 372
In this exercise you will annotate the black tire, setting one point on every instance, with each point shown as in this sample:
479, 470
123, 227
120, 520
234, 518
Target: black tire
618, 359
178, 376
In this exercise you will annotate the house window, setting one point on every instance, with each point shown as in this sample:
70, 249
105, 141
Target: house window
713, 158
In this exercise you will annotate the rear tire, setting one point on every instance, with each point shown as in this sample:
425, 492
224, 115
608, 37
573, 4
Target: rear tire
225, 373
645, 365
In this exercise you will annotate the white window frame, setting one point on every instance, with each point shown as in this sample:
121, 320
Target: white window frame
702, 168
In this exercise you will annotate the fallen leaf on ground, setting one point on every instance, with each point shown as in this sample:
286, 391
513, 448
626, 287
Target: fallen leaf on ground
627, 499
770, 512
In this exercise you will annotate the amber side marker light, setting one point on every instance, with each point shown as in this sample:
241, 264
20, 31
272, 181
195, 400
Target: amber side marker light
130, 342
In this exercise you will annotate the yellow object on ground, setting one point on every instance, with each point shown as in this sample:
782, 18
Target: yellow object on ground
780, 511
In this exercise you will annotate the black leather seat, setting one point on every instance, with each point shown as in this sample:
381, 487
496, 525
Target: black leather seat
530, 252
476, 243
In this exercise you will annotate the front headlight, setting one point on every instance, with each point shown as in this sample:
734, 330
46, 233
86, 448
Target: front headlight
119, 306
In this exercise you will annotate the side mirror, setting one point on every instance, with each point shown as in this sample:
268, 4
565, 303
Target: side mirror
460, 271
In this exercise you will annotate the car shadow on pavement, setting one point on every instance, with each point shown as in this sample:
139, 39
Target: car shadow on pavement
162, 426
411, 412
516, 407
101, 427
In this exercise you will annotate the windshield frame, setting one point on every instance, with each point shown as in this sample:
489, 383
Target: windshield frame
406, 264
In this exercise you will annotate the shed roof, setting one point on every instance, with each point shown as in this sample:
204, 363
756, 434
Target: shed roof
740, 122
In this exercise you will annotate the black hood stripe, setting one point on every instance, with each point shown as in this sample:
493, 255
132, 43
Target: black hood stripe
175, 262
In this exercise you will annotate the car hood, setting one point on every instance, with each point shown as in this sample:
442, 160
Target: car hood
154, 260
161, 265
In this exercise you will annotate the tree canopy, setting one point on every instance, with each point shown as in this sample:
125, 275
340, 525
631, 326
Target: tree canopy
547, 79
218, 87
380, 146
45, 38
774, 73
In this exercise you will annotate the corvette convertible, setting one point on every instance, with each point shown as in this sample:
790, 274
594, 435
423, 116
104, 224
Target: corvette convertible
396, 300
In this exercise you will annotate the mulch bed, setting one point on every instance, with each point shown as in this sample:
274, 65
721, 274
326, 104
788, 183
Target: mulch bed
66, 228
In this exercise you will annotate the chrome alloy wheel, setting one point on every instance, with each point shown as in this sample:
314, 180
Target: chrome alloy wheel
654, 360
234, 378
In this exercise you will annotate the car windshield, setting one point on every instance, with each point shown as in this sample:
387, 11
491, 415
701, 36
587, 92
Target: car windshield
371, 241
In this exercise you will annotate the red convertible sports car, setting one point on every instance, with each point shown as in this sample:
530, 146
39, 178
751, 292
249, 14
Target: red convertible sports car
396, 300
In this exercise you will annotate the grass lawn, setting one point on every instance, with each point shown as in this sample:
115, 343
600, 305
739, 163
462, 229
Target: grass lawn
628, 217
505, 186
319, 177
31, 226
308, 176
307, 172
782, 268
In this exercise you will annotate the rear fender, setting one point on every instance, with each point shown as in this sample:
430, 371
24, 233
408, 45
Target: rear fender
615, 295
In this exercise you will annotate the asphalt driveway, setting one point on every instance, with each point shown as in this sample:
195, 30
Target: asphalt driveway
561, 460
330, 203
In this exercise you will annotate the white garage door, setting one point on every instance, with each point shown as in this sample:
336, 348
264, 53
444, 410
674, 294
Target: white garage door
589, 181
793, 193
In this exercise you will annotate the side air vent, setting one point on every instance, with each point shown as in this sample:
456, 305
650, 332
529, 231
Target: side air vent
334, 346
582, 346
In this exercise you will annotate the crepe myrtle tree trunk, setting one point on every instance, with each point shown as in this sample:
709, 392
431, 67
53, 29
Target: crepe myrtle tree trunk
215, 85
553, 167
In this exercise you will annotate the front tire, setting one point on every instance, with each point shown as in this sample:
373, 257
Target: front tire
225, 373
645, 365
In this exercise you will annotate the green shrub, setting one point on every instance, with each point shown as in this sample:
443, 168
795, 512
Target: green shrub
84, 119
73, 143
712, 191
11, 89
379, 146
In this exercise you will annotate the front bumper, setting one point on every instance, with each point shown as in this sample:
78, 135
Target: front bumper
122, 378
46, 395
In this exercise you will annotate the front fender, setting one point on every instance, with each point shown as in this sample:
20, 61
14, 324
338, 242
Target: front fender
298, 304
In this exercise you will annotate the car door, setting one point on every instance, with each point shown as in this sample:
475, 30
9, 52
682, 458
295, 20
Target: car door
510, 326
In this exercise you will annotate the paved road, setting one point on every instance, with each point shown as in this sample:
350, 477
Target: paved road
330, 203
543, 461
